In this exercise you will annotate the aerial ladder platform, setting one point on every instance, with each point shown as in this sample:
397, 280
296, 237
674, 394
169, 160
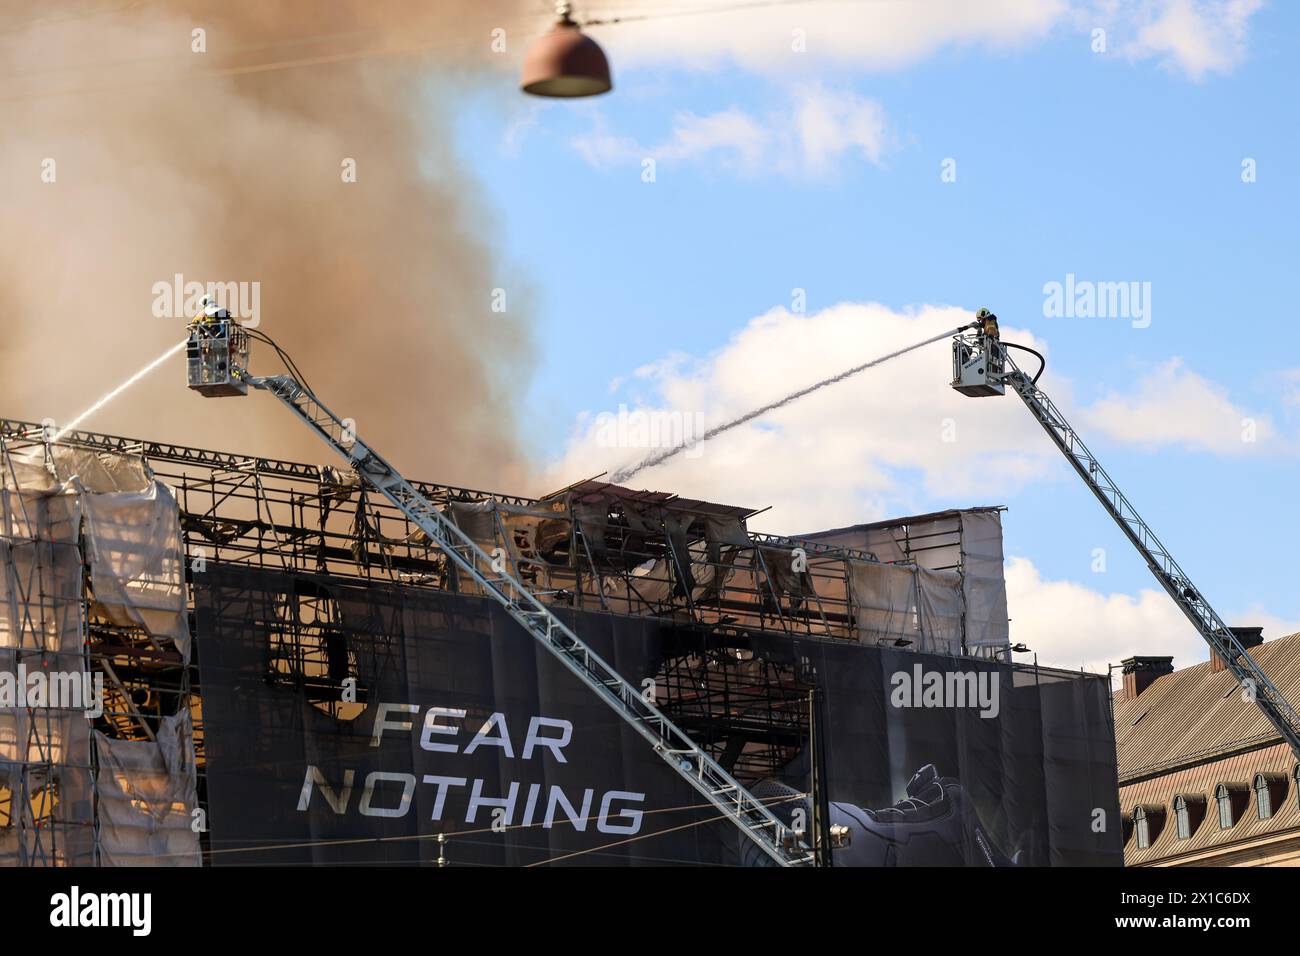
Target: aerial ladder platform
217, 365
982, 366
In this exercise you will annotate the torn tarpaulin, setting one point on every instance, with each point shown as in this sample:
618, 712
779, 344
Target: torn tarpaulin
147, 797
133, 542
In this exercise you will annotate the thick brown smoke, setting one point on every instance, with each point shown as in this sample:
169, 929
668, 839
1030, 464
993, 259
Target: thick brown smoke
227, 166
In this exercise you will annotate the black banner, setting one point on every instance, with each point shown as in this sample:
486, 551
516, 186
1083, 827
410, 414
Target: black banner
374, 724
935, 760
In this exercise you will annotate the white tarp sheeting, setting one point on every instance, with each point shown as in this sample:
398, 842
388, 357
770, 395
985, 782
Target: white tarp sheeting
133, 541
44, 750
45, 766
936, 544
40, 581
941, 607
920, 606
40, 563
959, 596
985, 586
884, 601
147, 798
131, 530
100, 474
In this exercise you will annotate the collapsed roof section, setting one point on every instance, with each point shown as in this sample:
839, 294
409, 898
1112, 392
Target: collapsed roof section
932, 582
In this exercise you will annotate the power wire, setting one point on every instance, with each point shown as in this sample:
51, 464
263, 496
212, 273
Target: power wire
461, 834
644, 836
704, 11
331, 58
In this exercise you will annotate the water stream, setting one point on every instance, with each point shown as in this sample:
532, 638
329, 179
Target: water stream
119, 390
623, 474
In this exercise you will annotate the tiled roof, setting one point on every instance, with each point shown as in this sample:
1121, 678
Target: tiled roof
1195, 714
1202, 780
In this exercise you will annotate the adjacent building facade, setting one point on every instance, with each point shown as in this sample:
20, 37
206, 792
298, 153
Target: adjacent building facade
1205, 780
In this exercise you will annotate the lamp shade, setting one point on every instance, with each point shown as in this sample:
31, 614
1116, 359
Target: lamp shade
566, 63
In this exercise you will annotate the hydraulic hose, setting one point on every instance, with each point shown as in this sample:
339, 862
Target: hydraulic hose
1042, 362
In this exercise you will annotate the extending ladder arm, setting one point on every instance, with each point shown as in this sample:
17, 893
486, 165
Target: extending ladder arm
1162, 564
672, 745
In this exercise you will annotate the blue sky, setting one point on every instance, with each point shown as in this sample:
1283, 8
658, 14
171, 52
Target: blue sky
1123, 166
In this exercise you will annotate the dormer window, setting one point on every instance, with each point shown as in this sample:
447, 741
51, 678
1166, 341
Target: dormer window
1263, 803
1270, 791
1189, 811
1224, 800
1231, 799
1147, 822
1142, 827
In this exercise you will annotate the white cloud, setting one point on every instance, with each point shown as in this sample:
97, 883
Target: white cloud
894, 439
1273, 625
1174, 406
809, 137
1070, 625
872, 446
1189, 37
732, 131
524, 120
1193, 37
1290, 383
860, 36
830, 124
731, 137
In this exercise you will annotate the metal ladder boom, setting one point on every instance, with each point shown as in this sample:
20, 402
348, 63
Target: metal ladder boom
1162, 564
672, 745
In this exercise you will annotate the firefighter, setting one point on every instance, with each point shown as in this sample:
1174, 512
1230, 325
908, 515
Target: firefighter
987, 322
210, 312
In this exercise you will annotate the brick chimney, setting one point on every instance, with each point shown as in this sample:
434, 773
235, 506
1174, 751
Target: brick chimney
1247, 637
1140, 672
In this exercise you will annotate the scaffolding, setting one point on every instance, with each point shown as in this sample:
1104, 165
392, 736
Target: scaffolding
46, 763
106, 678
592, 546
